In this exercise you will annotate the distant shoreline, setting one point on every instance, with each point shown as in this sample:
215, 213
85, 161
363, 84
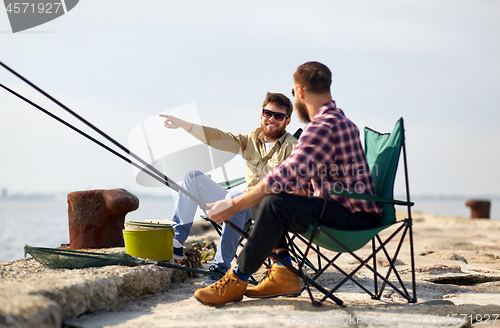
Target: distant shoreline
445, 205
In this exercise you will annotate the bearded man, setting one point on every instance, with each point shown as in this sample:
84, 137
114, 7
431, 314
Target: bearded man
263, 149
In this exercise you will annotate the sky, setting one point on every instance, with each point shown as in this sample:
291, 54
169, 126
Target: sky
118, 63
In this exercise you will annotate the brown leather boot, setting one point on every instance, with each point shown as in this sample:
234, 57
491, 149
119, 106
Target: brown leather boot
278, 281
229, 288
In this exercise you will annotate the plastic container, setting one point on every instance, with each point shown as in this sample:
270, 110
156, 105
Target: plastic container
149, 240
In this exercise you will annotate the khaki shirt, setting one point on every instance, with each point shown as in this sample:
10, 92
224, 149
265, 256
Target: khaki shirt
250, 147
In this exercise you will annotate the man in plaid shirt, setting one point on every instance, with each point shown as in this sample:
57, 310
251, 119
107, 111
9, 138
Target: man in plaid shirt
328, 156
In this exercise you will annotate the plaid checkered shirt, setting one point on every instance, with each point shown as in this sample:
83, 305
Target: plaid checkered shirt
328, 156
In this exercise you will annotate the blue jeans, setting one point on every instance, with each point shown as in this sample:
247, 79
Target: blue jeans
208, 191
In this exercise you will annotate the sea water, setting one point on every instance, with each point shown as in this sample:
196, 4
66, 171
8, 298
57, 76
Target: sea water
43, 221
451, 205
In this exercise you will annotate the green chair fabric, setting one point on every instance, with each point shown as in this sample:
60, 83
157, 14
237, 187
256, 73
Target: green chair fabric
382, 153
353, 240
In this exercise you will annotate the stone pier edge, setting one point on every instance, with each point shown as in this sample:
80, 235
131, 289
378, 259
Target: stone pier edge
64, 294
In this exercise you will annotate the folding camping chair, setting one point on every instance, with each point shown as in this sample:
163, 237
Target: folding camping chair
382, 152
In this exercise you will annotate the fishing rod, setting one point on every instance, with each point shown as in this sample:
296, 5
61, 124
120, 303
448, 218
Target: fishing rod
166, 180
81, 132
163, 178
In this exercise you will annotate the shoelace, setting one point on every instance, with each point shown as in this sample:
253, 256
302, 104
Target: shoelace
220, 286
267, 274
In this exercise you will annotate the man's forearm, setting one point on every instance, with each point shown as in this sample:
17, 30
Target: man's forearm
186, 125
219, 139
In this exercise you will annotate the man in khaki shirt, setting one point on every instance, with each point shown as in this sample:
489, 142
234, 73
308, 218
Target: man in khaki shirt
263, 149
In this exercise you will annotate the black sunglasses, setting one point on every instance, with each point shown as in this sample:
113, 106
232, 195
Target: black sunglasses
293, 90
277, 116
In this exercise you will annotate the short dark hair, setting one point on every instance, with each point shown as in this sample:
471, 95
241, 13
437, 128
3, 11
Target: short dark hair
279, 99
314, 77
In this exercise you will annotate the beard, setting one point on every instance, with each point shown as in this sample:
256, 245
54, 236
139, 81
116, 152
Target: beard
302, 111
273, 134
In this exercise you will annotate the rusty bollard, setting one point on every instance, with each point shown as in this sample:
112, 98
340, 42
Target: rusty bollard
97, 217
480, 209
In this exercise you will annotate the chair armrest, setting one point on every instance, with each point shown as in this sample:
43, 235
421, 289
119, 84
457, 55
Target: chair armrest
372, 198
232, 183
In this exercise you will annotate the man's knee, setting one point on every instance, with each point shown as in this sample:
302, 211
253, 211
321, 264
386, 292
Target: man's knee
192, 174
233, 193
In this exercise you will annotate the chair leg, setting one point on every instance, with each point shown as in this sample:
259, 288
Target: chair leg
319, 257
392, 268
297, 253
308, 281
216, 227
408, 229
375, 282
412, 254
302, 273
